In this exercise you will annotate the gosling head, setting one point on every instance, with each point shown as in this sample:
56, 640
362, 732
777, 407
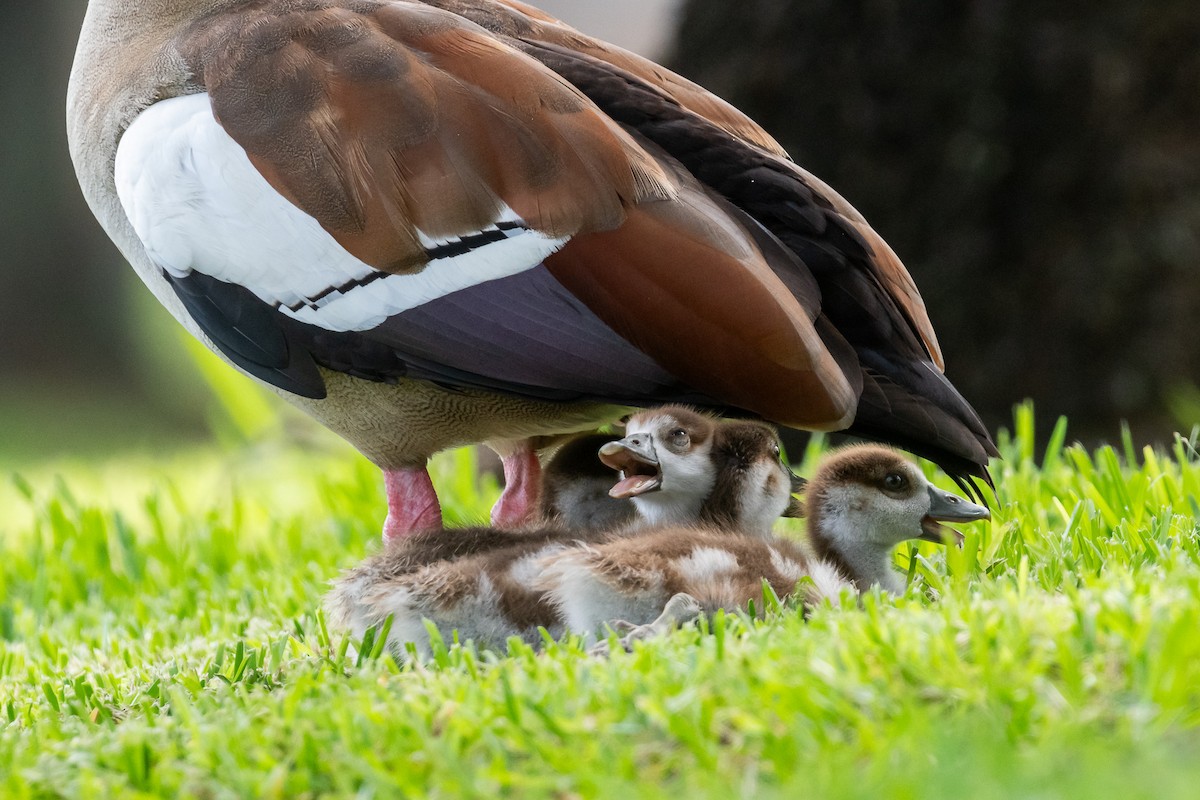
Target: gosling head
865, 500
682, 467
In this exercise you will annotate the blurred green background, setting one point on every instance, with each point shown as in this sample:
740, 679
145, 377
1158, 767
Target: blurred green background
1035, 164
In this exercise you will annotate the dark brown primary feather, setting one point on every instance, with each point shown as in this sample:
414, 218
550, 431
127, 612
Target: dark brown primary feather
798, 208
865, 294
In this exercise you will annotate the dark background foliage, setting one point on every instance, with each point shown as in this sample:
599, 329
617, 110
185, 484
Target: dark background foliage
1036, 166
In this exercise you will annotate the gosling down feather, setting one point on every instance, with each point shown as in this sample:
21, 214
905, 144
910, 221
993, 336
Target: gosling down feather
494, 585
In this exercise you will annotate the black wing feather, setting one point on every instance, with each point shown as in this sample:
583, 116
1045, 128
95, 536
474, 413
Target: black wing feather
249, 332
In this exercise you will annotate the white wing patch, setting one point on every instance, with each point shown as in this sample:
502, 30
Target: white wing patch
785, 566
197, 203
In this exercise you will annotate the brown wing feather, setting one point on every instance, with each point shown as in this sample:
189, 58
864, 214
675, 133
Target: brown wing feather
382, 119
902, 290
761, 182
521, 21
712, 312
689, 95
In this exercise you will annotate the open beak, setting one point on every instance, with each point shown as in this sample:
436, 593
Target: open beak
948, 507
637, 462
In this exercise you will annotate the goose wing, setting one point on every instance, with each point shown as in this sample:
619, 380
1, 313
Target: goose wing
403, 192
470, 192
866, 300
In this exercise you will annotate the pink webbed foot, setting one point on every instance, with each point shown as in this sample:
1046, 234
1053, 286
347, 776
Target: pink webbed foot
518, 503
412, 503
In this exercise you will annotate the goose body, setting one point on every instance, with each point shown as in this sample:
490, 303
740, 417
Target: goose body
869, 499
429, 224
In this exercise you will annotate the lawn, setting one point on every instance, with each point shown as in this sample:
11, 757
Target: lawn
159, 636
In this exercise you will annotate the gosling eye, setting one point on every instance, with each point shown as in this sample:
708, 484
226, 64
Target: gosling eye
895, 482
775, 450
678, 438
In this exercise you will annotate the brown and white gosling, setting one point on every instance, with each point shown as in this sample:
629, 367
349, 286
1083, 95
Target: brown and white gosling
865, 500
726, 476
862, 502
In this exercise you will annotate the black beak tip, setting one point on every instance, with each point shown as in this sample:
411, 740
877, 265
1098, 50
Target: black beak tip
949, 507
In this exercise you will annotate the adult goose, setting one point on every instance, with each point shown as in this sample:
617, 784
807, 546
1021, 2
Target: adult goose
435, 223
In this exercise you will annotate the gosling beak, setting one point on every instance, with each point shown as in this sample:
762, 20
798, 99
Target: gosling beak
948, 507
637, 462
795, 509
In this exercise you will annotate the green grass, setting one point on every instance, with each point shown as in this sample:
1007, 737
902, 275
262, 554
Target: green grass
159, 637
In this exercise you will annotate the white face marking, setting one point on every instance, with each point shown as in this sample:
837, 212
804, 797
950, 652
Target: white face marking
761, 503
864, 513
864, 524
197, 203
687, 477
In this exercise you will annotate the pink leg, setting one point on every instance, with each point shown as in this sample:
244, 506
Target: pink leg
412, 503
518, 504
